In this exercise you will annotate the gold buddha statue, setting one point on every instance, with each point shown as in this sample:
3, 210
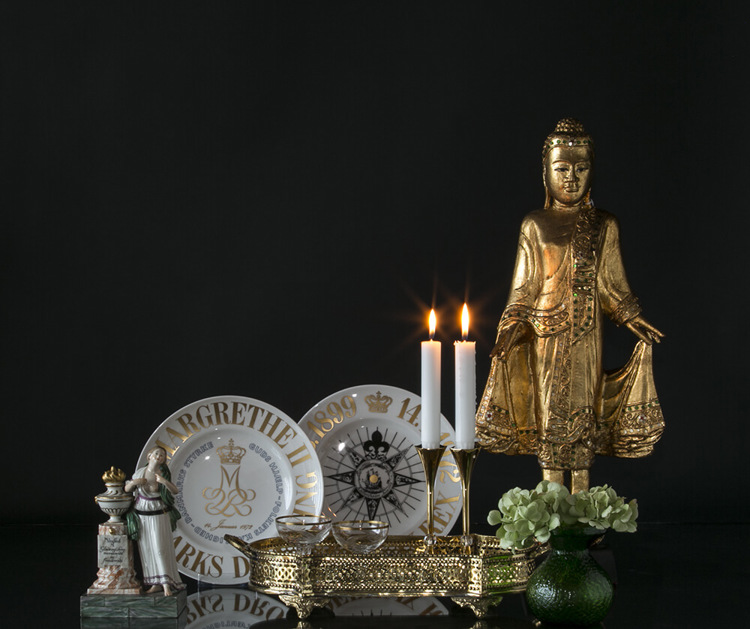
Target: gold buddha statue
547, 393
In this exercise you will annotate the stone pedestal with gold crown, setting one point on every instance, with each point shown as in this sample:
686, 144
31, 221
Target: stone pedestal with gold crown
116, 558
116, 573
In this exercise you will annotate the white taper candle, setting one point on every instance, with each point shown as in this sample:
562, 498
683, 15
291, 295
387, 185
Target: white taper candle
430, 421
466, 385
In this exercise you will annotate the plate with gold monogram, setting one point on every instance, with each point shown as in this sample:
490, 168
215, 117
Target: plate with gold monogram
365, 438
238, 463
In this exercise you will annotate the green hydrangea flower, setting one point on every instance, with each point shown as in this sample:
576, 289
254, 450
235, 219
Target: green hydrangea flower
524, 516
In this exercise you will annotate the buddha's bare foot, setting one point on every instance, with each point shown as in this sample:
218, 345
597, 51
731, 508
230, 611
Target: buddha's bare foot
154, 589
167, 590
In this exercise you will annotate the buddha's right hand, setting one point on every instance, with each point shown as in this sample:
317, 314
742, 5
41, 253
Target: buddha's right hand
508, 338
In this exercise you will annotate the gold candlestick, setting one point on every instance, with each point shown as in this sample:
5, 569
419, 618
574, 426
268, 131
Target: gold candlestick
430, 458
465, 460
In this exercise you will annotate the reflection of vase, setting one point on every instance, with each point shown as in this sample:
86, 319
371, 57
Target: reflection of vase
570, 586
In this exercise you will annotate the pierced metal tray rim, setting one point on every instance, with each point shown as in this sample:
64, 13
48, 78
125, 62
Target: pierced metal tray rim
391, 594
404, 566
485, 553
276, 547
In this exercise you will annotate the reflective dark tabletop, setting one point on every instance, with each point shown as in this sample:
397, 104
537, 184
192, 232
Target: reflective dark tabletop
666, 575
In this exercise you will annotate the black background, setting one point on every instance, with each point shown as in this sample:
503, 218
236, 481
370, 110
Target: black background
265, 199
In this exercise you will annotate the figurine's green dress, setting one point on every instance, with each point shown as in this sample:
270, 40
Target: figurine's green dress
551, 397
155, 540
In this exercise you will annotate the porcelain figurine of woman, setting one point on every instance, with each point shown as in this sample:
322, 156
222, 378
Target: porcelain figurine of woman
151, 522
547, 394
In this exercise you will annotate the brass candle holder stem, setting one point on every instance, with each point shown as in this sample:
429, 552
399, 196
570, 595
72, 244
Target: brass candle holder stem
430, 458
465, 460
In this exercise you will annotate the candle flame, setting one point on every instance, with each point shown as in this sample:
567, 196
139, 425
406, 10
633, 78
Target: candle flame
465, 322
433, 323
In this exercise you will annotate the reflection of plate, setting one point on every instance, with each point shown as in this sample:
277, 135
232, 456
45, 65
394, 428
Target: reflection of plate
238, 464
231, 607
399, 606
365, 438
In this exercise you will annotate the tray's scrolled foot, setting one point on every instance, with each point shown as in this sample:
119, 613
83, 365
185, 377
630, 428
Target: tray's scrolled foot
303, 605
480, 606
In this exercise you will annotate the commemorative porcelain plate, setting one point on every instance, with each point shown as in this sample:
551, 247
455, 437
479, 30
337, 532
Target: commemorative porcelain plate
238, 464
365, 438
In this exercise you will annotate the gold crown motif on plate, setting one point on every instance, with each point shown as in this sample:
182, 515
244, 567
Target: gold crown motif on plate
231, 454
378, 403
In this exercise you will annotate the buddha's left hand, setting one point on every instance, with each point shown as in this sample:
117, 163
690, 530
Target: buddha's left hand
644, 330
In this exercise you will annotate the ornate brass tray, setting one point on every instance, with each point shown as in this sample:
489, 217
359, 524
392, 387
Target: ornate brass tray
474, 577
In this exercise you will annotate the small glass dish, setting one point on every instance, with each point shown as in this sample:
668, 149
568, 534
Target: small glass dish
360, 536
303, 531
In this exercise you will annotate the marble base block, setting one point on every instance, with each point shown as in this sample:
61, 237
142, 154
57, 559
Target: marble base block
129, 606
140, 623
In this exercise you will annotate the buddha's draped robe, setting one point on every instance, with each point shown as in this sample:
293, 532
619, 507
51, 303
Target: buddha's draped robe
551, 397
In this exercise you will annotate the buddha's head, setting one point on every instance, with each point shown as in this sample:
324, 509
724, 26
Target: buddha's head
568, 165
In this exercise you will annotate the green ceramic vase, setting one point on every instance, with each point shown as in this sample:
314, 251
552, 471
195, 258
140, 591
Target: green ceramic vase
570, 587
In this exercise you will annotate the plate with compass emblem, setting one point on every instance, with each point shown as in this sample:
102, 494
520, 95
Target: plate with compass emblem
366, 438
238, 463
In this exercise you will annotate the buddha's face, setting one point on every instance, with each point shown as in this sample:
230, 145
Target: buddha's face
568, 171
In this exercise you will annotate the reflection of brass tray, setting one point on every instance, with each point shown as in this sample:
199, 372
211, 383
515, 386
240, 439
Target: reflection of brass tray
474, 577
